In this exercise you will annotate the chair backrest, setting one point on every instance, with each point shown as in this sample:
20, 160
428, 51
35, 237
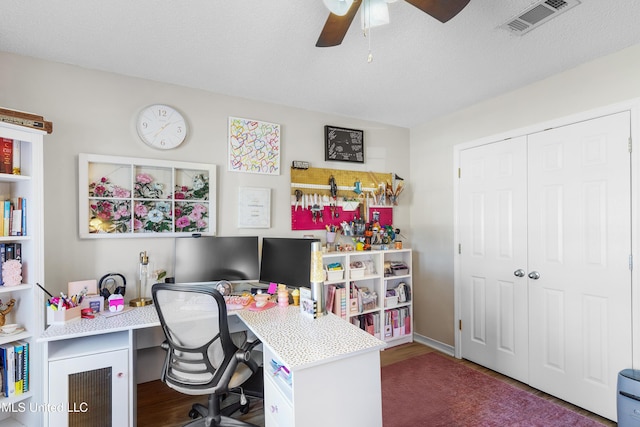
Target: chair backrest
194, 320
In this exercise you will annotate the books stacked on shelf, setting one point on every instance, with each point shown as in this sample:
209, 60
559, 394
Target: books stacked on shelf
10, 156
14, 367
13, 215
369, 322
397, 322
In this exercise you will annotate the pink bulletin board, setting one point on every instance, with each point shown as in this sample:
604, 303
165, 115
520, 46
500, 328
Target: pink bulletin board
302, 219
386, 214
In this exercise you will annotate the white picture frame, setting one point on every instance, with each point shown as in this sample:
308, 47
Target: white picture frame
254, 146
254, 207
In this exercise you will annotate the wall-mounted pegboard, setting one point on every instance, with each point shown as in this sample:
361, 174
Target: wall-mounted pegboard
357, 195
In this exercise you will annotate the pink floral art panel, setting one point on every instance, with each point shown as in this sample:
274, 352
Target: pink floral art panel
110, 198
110, 215
152, 216
191, 217
152, 183
254, 146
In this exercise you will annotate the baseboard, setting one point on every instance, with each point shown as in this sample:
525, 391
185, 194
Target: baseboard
445, 348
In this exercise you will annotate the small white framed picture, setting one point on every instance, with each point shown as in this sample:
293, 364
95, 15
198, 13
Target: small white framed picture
254, 207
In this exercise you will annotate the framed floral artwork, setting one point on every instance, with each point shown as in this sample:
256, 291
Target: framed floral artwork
131, 197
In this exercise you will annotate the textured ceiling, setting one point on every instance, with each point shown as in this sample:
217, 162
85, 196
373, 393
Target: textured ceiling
265, 49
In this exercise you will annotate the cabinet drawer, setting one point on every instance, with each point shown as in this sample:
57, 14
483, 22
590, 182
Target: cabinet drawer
278, 411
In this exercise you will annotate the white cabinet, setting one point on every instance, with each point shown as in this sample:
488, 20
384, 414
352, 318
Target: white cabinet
374, 291
88, 381
28, 311
128, 197
315, 395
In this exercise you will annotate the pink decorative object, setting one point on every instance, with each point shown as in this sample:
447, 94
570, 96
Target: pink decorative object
12, 272
116, 303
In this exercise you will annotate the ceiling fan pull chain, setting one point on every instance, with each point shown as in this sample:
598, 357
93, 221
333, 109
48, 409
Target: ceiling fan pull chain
367, 30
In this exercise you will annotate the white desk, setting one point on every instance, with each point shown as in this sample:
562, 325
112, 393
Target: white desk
335, 365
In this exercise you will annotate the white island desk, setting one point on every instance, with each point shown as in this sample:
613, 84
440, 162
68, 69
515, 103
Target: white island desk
334, 366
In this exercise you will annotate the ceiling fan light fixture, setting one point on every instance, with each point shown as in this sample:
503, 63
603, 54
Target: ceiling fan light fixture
374, 13
338, 7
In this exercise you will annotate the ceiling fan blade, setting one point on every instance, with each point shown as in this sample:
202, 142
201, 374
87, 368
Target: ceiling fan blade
336, 27
442, 10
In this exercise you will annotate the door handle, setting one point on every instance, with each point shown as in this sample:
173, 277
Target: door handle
534, 275
519, 273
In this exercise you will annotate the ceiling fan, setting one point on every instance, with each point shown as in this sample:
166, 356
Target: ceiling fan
337, 25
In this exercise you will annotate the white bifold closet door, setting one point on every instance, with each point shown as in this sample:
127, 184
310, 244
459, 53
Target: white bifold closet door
545, 227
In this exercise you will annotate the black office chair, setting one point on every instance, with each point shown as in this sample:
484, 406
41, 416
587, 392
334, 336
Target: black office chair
201, 356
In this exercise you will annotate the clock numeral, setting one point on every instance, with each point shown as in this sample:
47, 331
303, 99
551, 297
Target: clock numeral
145, 125
162, 113
179, 129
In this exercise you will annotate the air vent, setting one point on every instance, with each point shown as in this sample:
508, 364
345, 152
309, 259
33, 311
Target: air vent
537, 14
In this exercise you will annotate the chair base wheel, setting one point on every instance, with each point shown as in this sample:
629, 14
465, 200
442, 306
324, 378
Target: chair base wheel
193, 414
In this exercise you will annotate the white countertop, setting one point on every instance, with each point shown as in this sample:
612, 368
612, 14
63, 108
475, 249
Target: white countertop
301, 341
298, 340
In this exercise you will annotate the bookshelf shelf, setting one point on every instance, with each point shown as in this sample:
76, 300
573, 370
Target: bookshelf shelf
18, 288
28, 311
377, 277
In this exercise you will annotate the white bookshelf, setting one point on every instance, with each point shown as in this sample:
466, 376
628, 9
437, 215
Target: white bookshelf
377, 280
28, 311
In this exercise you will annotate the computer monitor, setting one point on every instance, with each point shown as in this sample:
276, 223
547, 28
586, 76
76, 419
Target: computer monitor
286, 260
209, 258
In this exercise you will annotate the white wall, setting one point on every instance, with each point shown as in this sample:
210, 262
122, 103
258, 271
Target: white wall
93, 112
605, 81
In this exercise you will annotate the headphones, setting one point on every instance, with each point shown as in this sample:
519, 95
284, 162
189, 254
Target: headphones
111, 285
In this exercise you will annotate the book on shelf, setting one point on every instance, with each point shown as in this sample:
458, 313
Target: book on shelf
8, 369
331, 293
18, 351
25, 365
17, 153
6, 155
10, 156
6, 224
340, 302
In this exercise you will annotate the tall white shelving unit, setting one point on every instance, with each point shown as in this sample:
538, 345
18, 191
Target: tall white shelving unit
28, 312
375, 277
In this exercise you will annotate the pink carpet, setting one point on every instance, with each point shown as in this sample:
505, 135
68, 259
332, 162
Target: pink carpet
431, 390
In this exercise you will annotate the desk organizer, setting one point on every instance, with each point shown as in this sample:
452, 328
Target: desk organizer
60, 317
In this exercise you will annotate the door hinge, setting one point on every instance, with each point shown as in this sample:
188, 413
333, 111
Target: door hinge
459, 173
631, 262
459, 249
460, 324
630, 145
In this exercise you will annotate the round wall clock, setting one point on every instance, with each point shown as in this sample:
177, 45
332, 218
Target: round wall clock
161, 126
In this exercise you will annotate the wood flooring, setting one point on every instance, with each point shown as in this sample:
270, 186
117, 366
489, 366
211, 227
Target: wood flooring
158, 405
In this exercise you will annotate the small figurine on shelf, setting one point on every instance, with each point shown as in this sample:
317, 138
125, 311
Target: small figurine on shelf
5, 309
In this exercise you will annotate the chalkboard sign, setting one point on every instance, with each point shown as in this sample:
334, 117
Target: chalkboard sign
346, 145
